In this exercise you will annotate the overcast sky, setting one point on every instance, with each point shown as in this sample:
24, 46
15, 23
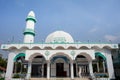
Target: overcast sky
93, 20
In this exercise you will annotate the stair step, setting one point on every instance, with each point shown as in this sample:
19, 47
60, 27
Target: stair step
38, 78
59, 79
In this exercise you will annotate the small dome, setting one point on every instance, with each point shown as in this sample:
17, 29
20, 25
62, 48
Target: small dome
31, 14
59, 37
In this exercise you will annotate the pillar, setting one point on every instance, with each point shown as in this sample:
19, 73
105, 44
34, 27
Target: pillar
72, 73
48, 70
110, 65
91, 69
98, 67
10, 65
29, 70
103, 66
80, 71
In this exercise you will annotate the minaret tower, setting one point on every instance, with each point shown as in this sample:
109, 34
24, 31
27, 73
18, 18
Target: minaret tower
29, 32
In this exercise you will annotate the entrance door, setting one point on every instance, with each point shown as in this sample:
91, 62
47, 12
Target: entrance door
59, 69
36, 70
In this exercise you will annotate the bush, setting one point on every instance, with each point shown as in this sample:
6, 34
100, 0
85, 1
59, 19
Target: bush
16, 76
2, 79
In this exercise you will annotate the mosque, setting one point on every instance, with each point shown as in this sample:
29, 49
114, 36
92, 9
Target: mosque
59, 55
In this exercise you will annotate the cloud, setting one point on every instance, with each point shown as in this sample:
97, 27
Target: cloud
111, 37
93, 30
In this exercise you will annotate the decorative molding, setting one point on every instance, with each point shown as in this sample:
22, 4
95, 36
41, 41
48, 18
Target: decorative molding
29, 31
31, 18
72, 53
47, 53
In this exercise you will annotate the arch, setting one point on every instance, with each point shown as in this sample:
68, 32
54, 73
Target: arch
107, 47
59, 54
31, 57
86, 55
36, 48
100, 54
59, 47
48, 47
19, 55
71, 47
95, 47
13, 48
24, 47
83, 47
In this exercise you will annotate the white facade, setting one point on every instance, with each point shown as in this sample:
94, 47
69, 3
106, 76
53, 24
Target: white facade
59, 56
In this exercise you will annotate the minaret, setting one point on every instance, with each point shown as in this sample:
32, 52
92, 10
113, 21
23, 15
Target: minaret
29, 32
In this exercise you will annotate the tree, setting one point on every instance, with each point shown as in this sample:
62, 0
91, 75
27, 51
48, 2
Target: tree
3, 62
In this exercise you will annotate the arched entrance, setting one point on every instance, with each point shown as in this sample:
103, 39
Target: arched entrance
20, 65
100, 62
100, 65
38, 68
82, 65
60, 65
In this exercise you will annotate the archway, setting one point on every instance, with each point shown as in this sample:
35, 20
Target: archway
38, 65
20, 64
82, 65
60, 65
19, 55
99, 66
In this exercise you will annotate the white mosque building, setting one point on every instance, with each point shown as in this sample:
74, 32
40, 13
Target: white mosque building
59, 55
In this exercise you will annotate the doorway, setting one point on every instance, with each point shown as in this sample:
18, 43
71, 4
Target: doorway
36, 70
60, 70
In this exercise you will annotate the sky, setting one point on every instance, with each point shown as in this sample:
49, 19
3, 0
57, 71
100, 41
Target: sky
93, 20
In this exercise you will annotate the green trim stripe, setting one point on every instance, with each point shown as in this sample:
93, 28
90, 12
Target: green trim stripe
101, 55
29, 31
31, 18
19, 55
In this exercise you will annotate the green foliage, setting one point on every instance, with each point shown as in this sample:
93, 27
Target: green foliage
3, 62
2, 79
16, 76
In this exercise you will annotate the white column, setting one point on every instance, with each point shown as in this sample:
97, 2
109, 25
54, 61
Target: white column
98, 67
110, 65
104, 66
80, 71
29, 70
10, 65
72, 73
91, 69
48, 70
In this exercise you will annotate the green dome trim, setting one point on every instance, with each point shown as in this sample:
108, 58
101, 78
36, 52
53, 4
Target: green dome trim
29, 31
101, 55
31, 18
19, 55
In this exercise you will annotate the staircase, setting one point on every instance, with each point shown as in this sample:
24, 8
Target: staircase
59, 79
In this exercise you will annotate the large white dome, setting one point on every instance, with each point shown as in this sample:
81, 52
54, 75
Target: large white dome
59, 37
